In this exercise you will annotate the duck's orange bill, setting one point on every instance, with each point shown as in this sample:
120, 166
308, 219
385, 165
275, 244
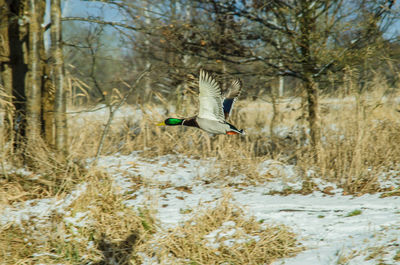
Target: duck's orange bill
161, 124
231, 133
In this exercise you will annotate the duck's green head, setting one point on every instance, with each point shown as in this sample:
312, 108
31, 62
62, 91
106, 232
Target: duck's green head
171, 122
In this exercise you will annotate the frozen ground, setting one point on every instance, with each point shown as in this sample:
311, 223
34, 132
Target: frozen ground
334, 229
365, 229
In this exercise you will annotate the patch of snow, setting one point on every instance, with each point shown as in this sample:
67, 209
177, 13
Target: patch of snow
79, 220
389, 179
175, 170
282, 176
321, 221
38, 210
10, 169
101, 112
229, 234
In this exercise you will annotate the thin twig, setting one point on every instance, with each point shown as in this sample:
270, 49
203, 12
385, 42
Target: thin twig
102, 22
112, 113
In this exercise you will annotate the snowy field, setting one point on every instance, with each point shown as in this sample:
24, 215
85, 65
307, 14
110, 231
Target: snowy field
331, 227
334, 229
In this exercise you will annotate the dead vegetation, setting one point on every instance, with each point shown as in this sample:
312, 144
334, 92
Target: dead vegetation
359, 145
225, 234
96, 227
92, 225
359, 133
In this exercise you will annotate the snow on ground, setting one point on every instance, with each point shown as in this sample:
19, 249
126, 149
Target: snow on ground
101, 112
330, 227
38, 210
365, 229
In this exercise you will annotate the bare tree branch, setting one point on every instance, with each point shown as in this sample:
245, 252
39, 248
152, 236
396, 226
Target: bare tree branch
113, 110
102, 22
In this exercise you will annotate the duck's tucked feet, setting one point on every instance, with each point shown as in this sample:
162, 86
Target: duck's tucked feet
235, 132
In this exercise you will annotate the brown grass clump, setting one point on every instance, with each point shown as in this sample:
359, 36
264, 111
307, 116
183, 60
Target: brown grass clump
97, 228
360, 135
225, 235
357, 160
37, 173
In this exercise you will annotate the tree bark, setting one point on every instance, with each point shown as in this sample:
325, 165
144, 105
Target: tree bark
147, 84
313, 116
58, 78
33, 84
47, 119
307, 27
47, 106
18, 38
6, 111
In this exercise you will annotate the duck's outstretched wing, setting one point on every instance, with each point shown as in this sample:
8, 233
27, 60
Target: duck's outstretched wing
210, 98
233, 94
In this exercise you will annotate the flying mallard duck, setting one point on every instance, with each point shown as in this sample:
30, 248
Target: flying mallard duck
212, 112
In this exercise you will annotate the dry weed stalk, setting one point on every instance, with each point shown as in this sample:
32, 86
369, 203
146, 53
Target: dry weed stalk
113, 107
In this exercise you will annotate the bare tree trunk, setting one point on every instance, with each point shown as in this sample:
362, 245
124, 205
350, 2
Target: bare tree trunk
147, 85
17, 33
48, 106
33, 83
313, 117
274, 114
58, 78
47, 118
307, 27
280, 65
281, 84
6, 111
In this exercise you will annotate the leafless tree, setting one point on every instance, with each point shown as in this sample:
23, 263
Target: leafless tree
25, 76
33, 84
302, 39
61, 132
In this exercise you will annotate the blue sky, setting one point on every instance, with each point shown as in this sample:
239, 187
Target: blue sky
79, 8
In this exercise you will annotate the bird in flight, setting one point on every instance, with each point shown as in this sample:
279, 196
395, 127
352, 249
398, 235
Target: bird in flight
213, 111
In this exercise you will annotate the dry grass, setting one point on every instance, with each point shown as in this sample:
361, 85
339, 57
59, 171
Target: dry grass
39, 174
97, 227
360, 136
357, 159
359, 133
225, 234
361, 142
